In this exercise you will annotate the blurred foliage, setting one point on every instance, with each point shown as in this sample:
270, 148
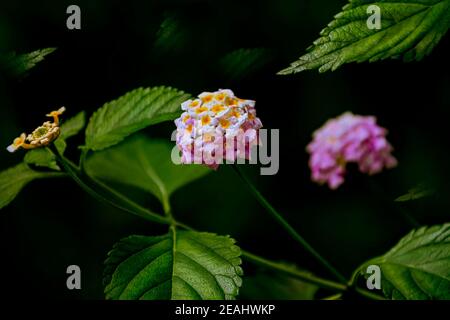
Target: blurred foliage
243, 62
415, 193
19, 64
266, 284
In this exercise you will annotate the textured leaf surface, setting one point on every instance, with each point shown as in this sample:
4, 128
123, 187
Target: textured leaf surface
144, 163
182, 265
132, 112
418, 267
409, 28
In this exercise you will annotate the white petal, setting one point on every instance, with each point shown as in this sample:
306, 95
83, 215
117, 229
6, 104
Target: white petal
12, 148
185, 105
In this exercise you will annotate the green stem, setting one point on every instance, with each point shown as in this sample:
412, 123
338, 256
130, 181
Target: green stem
120, 202
294, 234
368, 294
337, 296
83, 156
304, 276
301, 275
76, 175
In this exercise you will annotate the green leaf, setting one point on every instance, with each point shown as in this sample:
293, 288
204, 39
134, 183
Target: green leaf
132, 112
415, 193
267, 284
42, 157
172, 36
144, 163
19, 64
182, 265
418, 267
242, 62
71, 127
14, 179
45, 158
409, 28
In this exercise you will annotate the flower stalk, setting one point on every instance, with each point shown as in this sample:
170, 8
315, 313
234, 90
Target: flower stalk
290, 230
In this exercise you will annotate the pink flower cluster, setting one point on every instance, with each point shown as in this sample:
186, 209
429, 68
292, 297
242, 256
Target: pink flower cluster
348, 138
216, 126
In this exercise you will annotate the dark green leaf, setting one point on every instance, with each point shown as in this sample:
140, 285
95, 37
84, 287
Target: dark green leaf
415, 193
182, 265
242, 62
418, 267
132, 112
409, 28
14, 179
144, 163
19, 64
172, 36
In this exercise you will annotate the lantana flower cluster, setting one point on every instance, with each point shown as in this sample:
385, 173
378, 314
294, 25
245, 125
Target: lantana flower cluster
217, 126
346, 139
42, 136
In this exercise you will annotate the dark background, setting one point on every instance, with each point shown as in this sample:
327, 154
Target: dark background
53, 224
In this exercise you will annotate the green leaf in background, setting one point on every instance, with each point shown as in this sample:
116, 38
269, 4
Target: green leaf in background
72, 126
144, 163
45, 158
242, 62
19, 64
266, 284
132, 112
182, 265
415, 193
409, 28
418, 267
172, 36
14, 179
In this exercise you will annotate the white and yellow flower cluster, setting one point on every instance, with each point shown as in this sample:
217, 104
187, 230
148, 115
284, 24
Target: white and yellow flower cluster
215, 126
42, 136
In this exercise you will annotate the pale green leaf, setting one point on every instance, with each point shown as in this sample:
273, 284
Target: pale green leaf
182, 265
409, 28
418, 267
14, 179
132, 112
144, 163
